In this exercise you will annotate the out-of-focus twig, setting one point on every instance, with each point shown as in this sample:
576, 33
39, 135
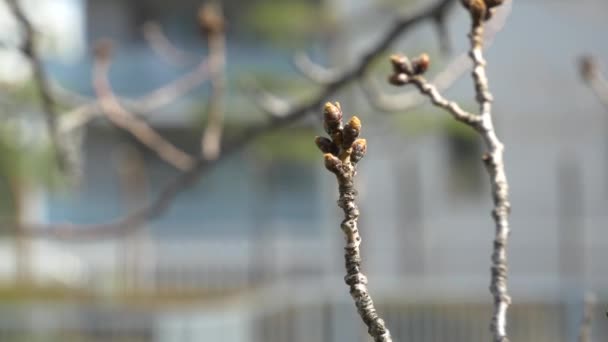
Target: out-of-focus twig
122, 118
164, 199
314, 71
584, 333
29, 49
342, 153
212, 24
162, 46
592, 75
409, 72
150, 102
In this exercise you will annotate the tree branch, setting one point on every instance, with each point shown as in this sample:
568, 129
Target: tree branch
212, 24
406, 72
153, 33
28, 48
341, 154
129, 122
163, 201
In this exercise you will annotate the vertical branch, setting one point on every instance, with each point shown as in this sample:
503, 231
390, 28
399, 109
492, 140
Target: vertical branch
493, 159
28, 48
212, 24
410, 72
341, 154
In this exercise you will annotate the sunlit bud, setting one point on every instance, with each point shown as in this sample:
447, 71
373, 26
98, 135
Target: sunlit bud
351, 131
477, 8
359, 150
326, 145
401, 64
332, 117
421, 64
332, 163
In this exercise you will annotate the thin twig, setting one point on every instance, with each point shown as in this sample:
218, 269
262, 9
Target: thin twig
166, 196
341, 154
122, 118
29, 49
212, 23
150, 102
314, 71
157, 39
406, 72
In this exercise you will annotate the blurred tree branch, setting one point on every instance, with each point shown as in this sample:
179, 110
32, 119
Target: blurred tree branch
163, 201
29, 49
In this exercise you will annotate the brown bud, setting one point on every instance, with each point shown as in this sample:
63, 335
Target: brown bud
477, 8
359, 150
493, 3
588, 68
421, 64
351, 131
103, 49
326, 145
401, 64
210, 19
332, 163
332, 117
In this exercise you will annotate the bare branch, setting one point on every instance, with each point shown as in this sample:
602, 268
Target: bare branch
157, 39
212, 23
341, 154
314, 71
122, 118
163, 201
270, 103
592, 75
442, 81
406, 72
48, 103
402, 102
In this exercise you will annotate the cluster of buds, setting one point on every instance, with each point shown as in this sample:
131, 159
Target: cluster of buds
344, 148
403, 68
481, 10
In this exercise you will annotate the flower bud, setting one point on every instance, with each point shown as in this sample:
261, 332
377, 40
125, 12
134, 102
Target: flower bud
332, 163
210, 19
421, 64
401, 64
477, 8
332, 117
351, 131
326, 145
359, 150
494, 3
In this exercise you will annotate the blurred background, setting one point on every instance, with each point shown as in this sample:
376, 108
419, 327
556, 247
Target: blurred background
253, 250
